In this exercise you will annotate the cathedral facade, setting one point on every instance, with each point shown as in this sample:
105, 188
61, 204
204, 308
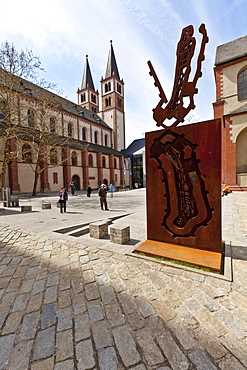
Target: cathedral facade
88, 140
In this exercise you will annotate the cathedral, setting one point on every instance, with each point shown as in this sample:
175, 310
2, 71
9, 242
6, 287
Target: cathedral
92, 137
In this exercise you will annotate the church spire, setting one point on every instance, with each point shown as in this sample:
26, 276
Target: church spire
87, 80
111, 68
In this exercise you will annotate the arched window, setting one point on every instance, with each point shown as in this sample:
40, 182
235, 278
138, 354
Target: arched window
96, 137
106, 140
3, 109
93, 98
115, 163
83, 97
84, 133
74, 159
119, 88
90, 160
53, 156
108, 102
242, 85
30, 118
26, 153
103, 162
52, 124
119, 101
70, 129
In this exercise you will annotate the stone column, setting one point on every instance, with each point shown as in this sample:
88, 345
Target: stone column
84, 157
66, 168
13, 169
100, 168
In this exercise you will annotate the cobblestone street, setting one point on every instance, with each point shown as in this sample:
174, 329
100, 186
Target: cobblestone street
67, 305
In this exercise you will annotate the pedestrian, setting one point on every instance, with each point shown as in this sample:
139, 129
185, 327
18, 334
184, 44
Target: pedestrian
63, 197
102, 196
226, 190
111, 189
72, 186
89, 191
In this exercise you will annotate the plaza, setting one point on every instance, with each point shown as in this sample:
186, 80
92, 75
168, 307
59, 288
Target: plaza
70, 301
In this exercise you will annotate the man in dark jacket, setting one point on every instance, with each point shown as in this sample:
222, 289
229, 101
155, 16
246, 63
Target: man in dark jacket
102, 197
63, 197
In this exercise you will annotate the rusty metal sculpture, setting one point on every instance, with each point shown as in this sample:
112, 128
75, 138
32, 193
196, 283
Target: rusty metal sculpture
183, 170
182, 87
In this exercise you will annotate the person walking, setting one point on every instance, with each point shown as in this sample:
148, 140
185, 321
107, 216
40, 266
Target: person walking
102, 196
63, 197
72, 187
111, 189
89, 191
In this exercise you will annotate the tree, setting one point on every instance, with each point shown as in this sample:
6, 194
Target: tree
14, 66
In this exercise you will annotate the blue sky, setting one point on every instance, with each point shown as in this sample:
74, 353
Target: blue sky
62, 32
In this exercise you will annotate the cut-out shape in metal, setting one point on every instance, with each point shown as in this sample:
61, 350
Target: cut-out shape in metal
182, 87
187, 206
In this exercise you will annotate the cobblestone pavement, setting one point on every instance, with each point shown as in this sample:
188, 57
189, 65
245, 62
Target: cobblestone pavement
66, 305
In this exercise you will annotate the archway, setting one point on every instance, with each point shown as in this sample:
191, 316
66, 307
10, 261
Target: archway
105, 181
241, 157
76, 180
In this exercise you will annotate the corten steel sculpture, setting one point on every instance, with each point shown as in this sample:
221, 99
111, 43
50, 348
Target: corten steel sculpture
184, 171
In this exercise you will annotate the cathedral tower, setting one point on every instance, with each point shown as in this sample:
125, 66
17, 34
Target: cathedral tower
112, 95
88, 97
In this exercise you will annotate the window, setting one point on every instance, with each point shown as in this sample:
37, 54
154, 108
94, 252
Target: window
106, 140
30, 118
93, 98
242, 85
90, 160
96, 137
74, 159
103, 162
83, 97
26, 153
53, 156
70, 129
107, 87
119, 101
52, 124
115, 163
108, 101
3, 107
55, 178
119, 88
84, 133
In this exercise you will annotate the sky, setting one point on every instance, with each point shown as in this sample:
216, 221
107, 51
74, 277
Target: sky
63, 32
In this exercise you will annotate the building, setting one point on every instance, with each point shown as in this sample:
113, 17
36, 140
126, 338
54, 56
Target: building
136, 157
86, 142
231, 106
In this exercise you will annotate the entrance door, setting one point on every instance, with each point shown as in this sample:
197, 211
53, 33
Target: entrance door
76, 180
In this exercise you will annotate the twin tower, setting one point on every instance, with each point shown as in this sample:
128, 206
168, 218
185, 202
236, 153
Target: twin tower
112, 98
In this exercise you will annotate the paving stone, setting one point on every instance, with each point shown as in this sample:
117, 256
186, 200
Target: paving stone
145, 307
107, 294
38, 286
101, 334
118, 285
64, 345
232, 323
6, 344
173, 353
126, 345
14, 285
21, 302
210, 343
135, 320
35, 302
29, 326
149, 348
51, 294
85, 355
44, 344
127, 302
206, 301
102, 279
64, 318
114, 314
108, 359
95, 311
47, 364
12, 322
19, 358
88, 276
92, 291
65, 365
236, 347
79, 304
49, 316
182, 334
200, 360
192, 305
82, 328
229, 363
64, 298
3, 316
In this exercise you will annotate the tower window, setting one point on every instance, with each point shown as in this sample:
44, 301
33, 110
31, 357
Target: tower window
108, 101
83, 97
242, 85
119, 89
106, 140
103, 162
115, 163
119, 101
93, 98
107, 87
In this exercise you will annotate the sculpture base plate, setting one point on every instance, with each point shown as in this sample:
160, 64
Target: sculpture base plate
195, 256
